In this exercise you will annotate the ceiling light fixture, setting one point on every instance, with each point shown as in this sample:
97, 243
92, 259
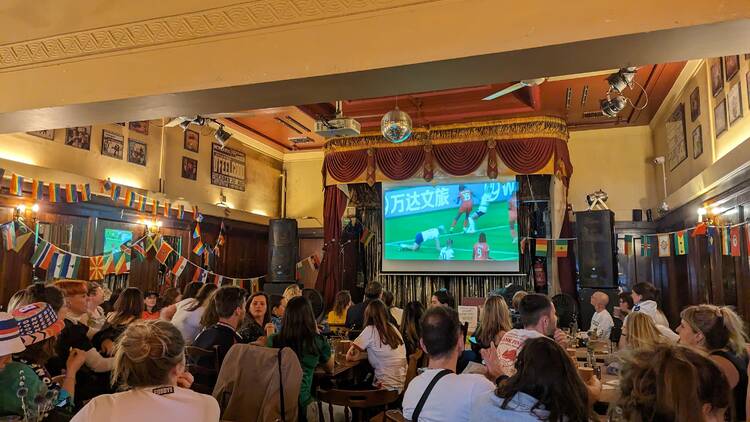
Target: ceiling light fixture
396, 126
222, 135
618, 82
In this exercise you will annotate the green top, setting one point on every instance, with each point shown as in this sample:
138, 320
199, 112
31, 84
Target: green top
309, 362
10, 404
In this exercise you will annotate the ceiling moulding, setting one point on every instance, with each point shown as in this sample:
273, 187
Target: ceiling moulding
220, 21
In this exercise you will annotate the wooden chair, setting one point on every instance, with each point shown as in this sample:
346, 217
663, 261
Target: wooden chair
202, 373
415, 361
395, 416
356, 401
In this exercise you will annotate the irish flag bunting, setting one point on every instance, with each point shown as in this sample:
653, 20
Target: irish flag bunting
681, 243
664, 249
16, 185
541, 247
37, 190
179, 266
734, 236
163, 253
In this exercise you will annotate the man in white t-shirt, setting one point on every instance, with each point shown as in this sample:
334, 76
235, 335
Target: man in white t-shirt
601, 322
539, 318
453, 395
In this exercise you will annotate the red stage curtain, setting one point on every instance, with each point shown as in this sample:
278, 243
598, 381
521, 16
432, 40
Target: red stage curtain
460, 159
566, 267
329, 277
346, 166
399, 163
525, 156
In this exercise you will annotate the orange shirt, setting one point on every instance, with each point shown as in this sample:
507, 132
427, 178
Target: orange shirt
150, 315
481, 251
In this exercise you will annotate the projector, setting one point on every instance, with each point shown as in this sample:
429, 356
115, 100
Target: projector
337, 127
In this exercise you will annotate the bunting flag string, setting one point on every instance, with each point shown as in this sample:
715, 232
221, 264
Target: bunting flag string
73, 192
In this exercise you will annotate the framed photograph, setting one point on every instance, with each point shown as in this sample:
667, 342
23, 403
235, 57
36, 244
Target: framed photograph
731, 66
717, 77
137, 152
734, 103
112, 144
676, 138
46, 134
227, 167
720, 118
140, 127
79, 137
697, 142
695, 104
192, 140
189, 168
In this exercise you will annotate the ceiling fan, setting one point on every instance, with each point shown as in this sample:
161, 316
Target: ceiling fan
515, 87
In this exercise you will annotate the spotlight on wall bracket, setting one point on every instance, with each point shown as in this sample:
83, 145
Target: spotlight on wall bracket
613, 106
622, 79
222, 135
618, 82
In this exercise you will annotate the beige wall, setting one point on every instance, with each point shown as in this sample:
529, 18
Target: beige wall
53, 161
694, 176
304, 194
616, 161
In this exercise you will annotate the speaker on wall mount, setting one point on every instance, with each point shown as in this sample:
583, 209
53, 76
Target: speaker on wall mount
595, 238
282, 250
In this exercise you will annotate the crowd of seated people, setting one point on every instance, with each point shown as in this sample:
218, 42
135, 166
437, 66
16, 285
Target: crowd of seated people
61, 351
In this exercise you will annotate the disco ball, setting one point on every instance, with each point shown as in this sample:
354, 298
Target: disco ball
396, 126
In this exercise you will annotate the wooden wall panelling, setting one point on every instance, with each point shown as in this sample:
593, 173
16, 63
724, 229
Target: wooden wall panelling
743, 276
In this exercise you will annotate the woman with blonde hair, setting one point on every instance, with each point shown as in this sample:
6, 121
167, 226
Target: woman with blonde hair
494, 324
292, 291
640, 331
670, 383
718, 331
150, 363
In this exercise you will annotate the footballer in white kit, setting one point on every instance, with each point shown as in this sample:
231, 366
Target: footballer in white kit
423, 236
482, 210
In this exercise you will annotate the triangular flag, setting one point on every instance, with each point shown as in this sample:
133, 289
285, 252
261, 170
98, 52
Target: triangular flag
680, 243
179, 266
163, 253
735, 239
37, 190
541, 247
561, 248
96, 267
664, 249
16, 185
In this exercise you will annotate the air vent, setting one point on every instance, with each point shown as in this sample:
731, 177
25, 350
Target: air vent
301, 140
593, 114
568, 97
584, 95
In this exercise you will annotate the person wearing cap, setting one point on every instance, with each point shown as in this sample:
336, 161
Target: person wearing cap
11, 372
151, 309
39, 327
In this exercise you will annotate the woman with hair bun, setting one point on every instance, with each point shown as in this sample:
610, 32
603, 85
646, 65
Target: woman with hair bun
718, 331
150, 363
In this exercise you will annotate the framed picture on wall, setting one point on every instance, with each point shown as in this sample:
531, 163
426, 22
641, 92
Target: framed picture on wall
189, 168
46, 134
112, 144
676, 137
140, 127
720, 118
717, 77
697, 142
695, 104
731, 66
137, 152
191, 140
79, 137
734, 103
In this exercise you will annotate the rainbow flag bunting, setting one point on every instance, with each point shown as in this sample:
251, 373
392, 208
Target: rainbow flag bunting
541, 247
181, 212
681, 243
561, 248
54, 192
85, 192
142, 203
115, 193
166, 209
71, 194
129, 198
199, 248
197, 231
179, 266
196, 214
154, 207
16, 185
37, 190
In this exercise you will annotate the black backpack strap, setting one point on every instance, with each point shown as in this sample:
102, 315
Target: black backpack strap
427, 391
281, 388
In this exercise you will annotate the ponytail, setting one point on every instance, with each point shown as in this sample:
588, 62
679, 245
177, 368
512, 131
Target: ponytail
736, 328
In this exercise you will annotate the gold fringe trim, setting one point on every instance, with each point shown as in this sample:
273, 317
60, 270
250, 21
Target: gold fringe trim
506, 129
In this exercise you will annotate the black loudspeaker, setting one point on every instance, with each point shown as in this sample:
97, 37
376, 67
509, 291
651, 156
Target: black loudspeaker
587, 311
595, 237
282, 250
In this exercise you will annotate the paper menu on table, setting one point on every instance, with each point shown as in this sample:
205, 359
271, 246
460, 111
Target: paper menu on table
469, 314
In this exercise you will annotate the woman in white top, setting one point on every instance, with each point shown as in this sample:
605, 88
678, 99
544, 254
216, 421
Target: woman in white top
187, 317
150, 361
384, 347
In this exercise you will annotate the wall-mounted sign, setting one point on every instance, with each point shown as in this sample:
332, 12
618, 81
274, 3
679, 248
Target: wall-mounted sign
227, 167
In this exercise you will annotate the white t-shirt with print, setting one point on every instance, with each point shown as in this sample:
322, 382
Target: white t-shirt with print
150, 404
188, 322
602, 324
510, 345
389, 364
451, 399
